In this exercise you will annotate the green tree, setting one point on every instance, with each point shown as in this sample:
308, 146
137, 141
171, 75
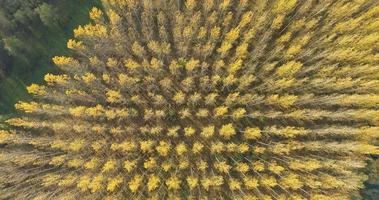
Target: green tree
30, 32
48, 14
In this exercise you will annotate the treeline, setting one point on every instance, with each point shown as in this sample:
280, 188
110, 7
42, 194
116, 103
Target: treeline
31, 32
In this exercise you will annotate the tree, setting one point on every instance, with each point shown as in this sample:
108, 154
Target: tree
47, 14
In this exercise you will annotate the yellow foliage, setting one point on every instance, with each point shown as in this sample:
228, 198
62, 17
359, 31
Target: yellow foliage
258, 166
131, 64
202, 165
217, 147
155, 64
240, 80
225, 47
181, 149
183, 164
289, 132
147, 146
129, 165
95, 13
27, 107
4, 135
173, 183
113, 183
56, 79
151, 163
135, 183
57, 160
75, 163
227, 130
252, 133
235, 66
268, 181
250, 197
189, 131
98, 145
192, 65
238, 113
234, 184
166, 166
222, 167
126, 146
275, 168
232, 35
230, 80
76, 145
83, 183
62, 60
154, 46
289, 69
153, 182
206, 183
243, 148
114, 18
163, 148
284, 101
217, 180
192, 182
291, 181
208, 131
75, 45
242, 167
179, 97
36, 90
283, 6
250, 182
211, 98
88, 78
114, 96
220, 111
277, 22
197, 147
50, 179
91, 164
203, 113
231, 147
110, 165
246, 18
89, 30
137, 49
215, 33
67, 180
190, 4
111, 62
96, 183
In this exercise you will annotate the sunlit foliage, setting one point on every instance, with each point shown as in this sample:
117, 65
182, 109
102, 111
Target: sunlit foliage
210, 99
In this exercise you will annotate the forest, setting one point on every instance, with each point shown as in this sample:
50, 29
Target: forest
31, 32
107, 99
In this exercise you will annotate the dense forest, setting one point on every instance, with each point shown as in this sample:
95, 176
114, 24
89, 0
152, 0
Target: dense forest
32, 32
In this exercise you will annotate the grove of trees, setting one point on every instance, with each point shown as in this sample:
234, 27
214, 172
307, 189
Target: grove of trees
201, 99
